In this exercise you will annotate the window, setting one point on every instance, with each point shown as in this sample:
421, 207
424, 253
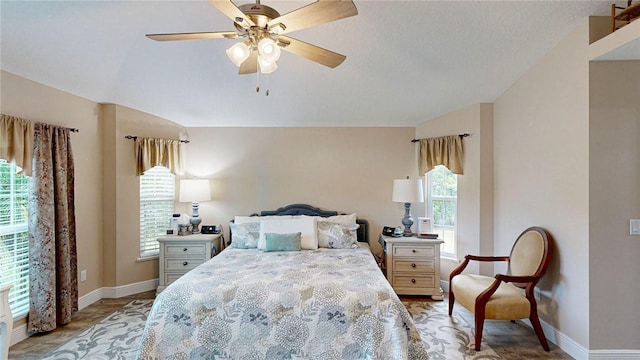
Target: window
157, 195
442, 198
14, 236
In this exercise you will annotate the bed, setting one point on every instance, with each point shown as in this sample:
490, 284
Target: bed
332, 302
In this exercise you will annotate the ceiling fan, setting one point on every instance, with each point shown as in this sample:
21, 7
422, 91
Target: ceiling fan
262, 30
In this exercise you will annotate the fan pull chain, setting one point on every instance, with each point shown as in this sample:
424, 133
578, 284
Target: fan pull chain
267, 92
258, 79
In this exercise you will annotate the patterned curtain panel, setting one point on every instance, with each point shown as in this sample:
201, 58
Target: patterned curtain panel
158, 152
16, 141
53, 273
445, 150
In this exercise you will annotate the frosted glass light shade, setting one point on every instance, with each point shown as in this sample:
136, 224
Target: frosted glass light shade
266, 67
238, 53
194, 190
408, 190
268, 49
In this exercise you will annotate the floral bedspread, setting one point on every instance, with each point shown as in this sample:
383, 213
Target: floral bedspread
310, 304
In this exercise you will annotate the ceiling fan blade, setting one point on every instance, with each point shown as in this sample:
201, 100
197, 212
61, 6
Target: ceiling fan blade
194, 36
311, 52
233, 12
319, 12
250, 65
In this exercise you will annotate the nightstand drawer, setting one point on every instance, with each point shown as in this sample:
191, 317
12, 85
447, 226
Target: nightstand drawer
171, 277
422, 266
416, 250
408, 281
174, 250
182, 264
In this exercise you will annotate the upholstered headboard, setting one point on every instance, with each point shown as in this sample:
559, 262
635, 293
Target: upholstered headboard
304, 209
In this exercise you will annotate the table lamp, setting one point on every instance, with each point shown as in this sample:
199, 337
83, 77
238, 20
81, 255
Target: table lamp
407, 191
194, 191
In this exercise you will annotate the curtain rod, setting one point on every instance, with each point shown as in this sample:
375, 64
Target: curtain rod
134, 138
461, 136
73, 130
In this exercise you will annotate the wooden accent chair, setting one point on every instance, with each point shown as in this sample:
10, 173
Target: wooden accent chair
506, 296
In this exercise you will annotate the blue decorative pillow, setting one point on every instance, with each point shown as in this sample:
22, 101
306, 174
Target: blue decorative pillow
245, 236
282, 242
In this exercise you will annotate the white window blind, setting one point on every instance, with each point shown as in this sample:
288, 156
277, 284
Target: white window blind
14, 236
442, 203
157, 196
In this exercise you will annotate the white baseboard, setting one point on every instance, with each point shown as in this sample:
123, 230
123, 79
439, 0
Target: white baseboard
579, 352
20, 333
130, 289
445, 286
614, 354
89, 298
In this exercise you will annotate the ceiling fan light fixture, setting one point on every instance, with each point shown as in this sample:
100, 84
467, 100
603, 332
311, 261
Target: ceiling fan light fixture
266, 66
238, 53
268, 49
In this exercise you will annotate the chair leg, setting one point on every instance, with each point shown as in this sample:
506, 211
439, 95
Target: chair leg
535, 321
479, 326
452, 300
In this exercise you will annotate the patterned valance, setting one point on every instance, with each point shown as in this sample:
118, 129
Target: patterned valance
445, 150
152, 152
16, 142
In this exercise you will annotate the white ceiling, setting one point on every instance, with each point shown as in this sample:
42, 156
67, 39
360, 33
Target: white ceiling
407, 61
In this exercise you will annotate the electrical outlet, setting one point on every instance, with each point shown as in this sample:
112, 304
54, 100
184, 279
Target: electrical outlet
83, 275
634, 227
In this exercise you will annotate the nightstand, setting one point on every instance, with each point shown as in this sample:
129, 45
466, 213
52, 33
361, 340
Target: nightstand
179, 254
413, 265
7, 319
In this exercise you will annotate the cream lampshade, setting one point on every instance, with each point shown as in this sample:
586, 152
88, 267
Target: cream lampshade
194, 191
407, 191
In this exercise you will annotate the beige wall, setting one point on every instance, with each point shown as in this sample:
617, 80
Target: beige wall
541, 177
614, 183
475, 187
252, 169
33, 101
106, 192
121, 191
350, 170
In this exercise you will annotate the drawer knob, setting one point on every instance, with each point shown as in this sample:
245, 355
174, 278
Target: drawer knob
413, 281
414, 250
413, 265
185, 263
185, 249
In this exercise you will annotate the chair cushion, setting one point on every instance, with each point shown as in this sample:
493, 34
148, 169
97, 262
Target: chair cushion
507, 303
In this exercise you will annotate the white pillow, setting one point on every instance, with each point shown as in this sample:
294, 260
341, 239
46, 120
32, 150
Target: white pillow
278, 225
337, 219
256, 219
341, 219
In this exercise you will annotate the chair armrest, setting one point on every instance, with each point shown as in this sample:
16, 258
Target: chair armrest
487, 258
526, 282
467, 258
517, 279
484, 296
